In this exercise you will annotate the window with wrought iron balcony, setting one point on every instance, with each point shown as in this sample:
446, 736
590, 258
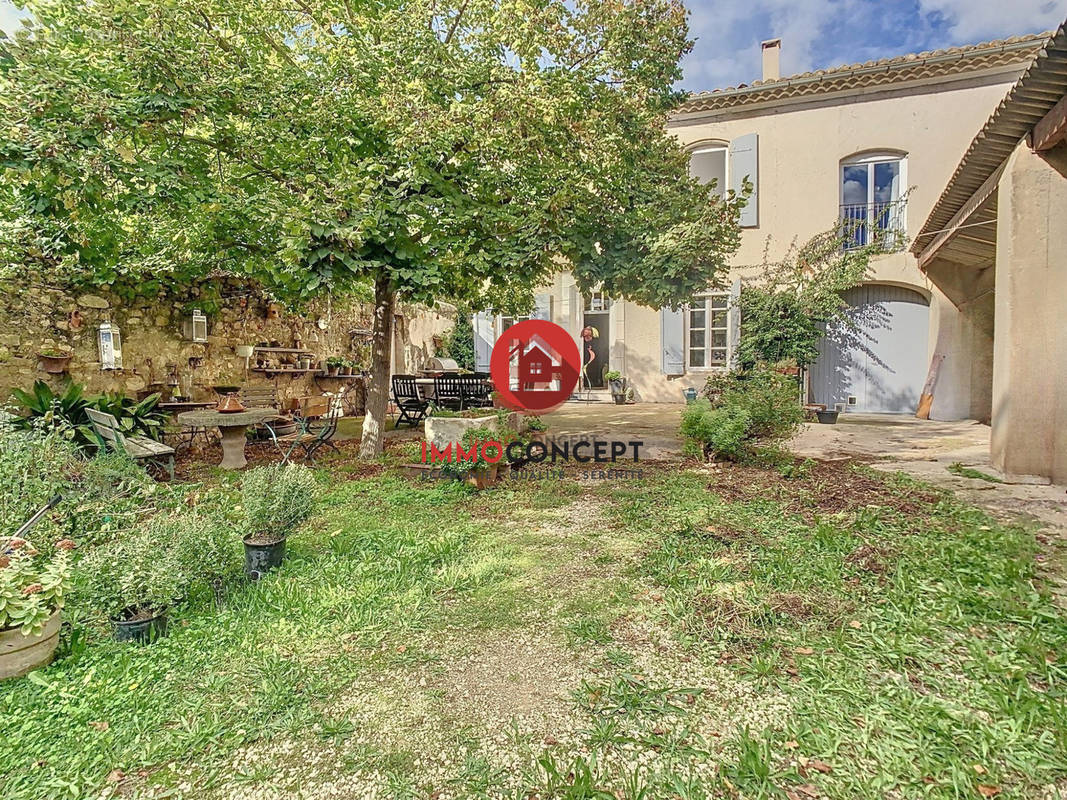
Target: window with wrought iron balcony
873, 207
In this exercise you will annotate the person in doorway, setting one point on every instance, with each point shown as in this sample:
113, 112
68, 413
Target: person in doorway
588, 354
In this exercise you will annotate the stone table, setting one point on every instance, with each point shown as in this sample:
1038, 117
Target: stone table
231, 426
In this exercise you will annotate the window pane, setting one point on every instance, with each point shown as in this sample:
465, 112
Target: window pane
718, 301
718, 319
709, 166
854, 184
718, 338
696, 319
696, 358
886, 182
696, 338
718, 357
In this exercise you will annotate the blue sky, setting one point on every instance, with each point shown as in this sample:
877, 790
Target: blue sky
824, 33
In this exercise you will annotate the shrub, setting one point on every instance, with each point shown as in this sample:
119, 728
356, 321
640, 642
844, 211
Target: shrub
742, 412
32, 585
157, 563
536, 424
277, 498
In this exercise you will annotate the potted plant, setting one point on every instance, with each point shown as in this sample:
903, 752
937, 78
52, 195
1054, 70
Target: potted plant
134, 580
617, 385
348, 368
33, 587
304, 362
277, 499
535, 429
333, 365
55, 362
827, 416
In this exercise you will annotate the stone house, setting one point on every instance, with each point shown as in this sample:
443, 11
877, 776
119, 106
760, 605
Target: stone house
871, 143
995, 245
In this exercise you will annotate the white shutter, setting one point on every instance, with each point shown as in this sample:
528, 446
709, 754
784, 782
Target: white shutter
733, 322
483, 340
672, 341
542, 307
744, 164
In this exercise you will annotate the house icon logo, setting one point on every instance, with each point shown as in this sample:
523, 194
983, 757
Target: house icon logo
534, 366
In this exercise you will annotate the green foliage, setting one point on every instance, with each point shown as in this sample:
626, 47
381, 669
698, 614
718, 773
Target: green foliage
278, 498
741, 413
458, 343
534, 423
32, 585
613, 375
65, 411
788, 311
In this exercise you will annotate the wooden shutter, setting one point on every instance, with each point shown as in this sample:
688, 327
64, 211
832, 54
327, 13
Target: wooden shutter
483, 340
672, 341
733, 323
744, 165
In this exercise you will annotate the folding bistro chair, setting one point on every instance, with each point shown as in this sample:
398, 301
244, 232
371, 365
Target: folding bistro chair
409, 402
448, 392
474, 392
315, 430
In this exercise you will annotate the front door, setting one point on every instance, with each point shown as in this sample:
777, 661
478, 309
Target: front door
596, 315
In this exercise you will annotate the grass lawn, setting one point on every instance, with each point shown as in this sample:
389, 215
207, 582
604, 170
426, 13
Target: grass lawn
694, 633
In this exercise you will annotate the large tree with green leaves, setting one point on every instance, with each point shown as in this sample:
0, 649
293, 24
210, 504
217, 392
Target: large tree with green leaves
417, 149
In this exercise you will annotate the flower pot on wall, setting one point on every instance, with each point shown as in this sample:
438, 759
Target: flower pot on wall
54, 363
20, 653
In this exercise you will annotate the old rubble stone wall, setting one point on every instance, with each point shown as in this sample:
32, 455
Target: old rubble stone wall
156, 345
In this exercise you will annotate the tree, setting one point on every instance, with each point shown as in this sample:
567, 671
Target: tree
798, 299
459, 343
434, 149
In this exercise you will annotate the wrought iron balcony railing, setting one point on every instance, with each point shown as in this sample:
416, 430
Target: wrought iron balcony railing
878, 224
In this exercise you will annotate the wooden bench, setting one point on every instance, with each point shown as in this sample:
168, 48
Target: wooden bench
139, 448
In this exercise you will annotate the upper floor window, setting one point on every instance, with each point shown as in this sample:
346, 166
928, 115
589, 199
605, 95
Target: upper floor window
708, 330
597, 301
709, 163
873, 200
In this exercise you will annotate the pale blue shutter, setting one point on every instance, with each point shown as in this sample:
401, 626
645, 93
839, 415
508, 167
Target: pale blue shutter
733, 321
672, 340
542, 307
483, 340
744, 165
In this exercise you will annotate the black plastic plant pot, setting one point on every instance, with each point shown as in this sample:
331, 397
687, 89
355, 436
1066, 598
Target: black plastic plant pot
141, 629
620, 399
827, 417
262, 558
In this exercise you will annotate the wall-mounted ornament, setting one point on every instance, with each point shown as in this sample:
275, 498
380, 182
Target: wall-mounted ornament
274, 310
196, 326
109, 340
74, 320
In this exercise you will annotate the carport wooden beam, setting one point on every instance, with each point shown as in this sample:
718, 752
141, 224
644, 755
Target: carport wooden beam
1052, 128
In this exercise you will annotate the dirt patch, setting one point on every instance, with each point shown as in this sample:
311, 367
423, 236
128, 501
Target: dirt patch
870, 558
827, 487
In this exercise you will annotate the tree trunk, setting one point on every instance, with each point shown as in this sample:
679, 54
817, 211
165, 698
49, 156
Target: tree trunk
378, 390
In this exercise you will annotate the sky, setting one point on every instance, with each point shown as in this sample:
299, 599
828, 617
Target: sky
825, 33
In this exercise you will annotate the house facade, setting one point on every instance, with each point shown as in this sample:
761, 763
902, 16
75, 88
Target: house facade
995, 244
872, 144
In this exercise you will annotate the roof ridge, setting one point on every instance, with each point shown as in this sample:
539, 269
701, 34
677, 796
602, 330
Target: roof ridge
958, 52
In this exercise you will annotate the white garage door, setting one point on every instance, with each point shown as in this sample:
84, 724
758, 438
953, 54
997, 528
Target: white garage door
880, 365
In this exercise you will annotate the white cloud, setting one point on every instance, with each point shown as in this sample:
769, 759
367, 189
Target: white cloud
971, 21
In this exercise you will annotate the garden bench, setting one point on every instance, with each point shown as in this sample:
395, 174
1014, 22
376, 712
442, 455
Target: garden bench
139, 448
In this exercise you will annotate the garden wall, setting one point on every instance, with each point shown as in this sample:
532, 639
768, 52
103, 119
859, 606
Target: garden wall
159, 355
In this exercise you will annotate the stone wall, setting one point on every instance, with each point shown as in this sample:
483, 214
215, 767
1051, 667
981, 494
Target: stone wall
158, 354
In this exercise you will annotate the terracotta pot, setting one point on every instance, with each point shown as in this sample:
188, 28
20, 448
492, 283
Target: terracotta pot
54, 365
230, 404
20, 653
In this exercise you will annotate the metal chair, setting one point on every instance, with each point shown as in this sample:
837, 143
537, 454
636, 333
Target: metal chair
314, 431
410, 404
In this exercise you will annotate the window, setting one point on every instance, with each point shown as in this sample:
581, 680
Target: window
708, 163
597, 302
872, 203
708, 330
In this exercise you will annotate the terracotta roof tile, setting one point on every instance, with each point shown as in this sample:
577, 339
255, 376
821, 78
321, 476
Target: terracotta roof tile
885, 71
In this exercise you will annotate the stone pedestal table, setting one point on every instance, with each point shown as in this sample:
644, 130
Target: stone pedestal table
232, 428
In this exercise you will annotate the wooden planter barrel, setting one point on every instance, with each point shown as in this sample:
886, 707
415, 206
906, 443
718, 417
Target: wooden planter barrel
20, 653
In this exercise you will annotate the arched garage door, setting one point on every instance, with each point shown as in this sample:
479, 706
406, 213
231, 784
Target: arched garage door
880, 365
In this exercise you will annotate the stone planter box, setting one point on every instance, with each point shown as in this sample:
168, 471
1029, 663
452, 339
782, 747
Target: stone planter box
442, 431
20, 653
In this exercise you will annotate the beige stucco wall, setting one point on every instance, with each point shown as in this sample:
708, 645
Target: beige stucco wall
801, 147
1029, 434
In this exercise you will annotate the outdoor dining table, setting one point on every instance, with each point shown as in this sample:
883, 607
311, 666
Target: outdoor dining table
232, 427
